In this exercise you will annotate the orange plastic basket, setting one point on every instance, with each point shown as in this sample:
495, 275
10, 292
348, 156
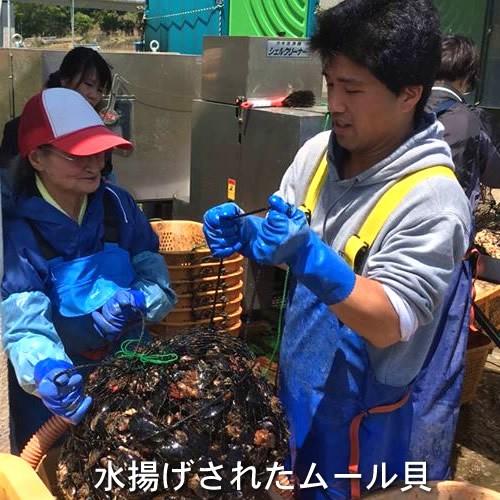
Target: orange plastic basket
182, 243
224, 295
180, 236
188, 273
198, 313
166, 332
169, 328
207, 283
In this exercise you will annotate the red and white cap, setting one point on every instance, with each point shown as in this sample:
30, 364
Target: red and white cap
64, 119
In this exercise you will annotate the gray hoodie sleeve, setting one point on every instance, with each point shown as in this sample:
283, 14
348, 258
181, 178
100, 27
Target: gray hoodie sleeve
416, 257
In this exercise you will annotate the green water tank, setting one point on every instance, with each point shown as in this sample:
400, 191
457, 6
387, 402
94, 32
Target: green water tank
290, 18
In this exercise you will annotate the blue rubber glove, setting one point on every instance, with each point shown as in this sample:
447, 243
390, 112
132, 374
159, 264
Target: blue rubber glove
61, 393
226, 234
285, 238
124, 308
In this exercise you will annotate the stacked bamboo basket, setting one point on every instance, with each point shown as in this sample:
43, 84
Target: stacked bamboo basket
194, 276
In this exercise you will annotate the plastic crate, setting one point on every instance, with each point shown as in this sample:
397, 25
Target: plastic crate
18, 481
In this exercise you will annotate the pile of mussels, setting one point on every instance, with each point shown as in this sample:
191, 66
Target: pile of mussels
210, 405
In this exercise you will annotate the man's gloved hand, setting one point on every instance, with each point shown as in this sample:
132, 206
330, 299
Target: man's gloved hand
124, 308
284, 231
285, 238
61, 393
226, 234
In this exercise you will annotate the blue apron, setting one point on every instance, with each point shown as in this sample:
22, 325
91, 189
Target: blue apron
330, 392
78, 287
437, 388
327, 382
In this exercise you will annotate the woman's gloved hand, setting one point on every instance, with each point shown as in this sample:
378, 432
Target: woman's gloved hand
61, 393
124, 308
226, 233
285, 238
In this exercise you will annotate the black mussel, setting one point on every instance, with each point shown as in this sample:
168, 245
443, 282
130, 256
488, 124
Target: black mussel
143, 428
174, 452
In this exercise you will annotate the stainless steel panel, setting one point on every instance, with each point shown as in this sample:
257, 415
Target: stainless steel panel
164, 86
240, 66
270, 140
20, 76
5, 86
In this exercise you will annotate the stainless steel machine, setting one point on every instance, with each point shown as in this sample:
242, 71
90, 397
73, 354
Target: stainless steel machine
249, 150
252, 147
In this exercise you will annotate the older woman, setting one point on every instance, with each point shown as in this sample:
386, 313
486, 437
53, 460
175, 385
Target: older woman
81, 261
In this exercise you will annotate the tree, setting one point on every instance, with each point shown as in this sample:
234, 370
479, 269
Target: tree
45, 20
109, 22
128, 23
83, 23
42, 20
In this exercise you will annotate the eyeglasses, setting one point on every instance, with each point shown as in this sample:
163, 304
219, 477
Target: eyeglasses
79, 160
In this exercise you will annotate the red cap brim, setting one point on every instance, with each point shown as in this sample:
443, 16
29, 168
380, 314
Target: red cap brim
90, 141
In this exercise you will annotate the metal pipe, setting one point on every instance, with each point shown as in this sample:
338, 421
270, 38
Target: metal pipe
72, 23
9, 27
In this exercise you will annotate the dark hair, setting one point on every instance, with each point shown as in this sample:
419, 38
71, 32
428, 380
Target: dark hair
78, 62
459, 60
398, 41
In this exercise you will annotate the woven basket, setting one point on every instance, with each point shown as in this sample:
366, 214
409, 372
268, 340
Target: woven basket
199, 299
478, 347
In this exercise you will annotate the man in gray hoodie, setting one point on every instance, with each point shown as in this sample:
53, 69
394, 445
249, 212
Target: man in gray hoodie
358, 336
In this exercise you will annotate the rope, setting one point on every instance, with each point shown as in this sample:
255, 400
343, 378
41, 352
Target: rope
217, 285
219, 6
280, 326
125, 353
165, 358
